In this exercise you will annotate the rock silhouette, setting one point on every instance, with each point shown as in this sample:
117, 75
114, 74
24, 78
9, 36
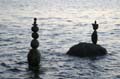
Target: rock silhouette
34, 54
86, 50
94, 36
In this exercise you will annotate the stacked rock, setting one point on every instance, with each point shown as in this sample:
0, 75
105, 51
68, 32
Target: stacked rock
34, 55
84, 49
34, 42
94, 36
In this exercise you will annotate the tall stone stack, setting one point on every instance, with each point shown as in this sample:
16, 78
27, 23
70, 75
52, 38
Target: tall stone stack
94, 36
34, 55
34, 42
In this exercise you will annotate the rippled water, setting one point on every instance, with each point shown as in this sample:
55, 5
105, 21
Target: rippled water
62, 24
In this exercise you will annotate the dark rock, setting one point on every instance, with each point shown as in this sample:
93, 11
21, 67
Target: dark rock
35, 28
95, 25
35, 35
34, 58
34, 43
86, 50
94, 37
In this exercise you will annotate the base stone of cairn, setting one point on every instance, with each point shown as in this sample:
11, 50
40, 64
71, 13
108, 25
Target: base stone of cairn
34, 59
87, 50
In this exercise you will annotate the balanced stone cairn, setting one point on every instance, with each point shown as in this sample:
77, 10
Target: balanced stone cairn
84, 49
34, 55
94, 36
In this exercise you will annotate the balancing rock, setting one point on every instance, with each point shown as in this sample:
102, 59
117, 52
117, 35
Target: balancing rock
86, 50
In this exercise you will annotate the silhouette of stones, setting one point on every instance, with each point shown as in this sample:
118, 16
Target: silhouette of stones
94, 36
88, 49
95, 25
34, 54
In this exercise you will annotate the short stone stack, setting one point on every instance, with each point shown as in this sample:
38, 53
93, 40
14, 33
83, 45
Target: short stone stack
34, 55
94, 36
84, 49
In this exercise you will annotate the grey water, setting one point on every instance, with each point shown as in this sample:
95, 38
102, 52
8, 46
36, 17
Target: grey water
62, 24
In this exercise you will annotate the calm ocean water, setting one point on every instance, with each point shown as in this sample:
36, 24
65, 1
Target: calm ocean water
62, 24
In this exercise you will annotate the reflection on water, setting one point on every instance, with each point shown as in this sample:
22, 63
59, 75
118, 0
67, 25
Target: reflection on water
62, 23
35, 74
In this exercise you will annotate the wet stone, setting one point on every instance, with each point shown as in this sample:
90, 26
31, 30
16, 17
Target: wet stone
35, 35
87, 50
34, 57
35, 29
34, 44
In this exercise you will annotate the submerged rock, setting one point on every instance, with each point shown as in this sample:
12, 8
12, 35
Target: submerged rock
86, 50
34, 58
